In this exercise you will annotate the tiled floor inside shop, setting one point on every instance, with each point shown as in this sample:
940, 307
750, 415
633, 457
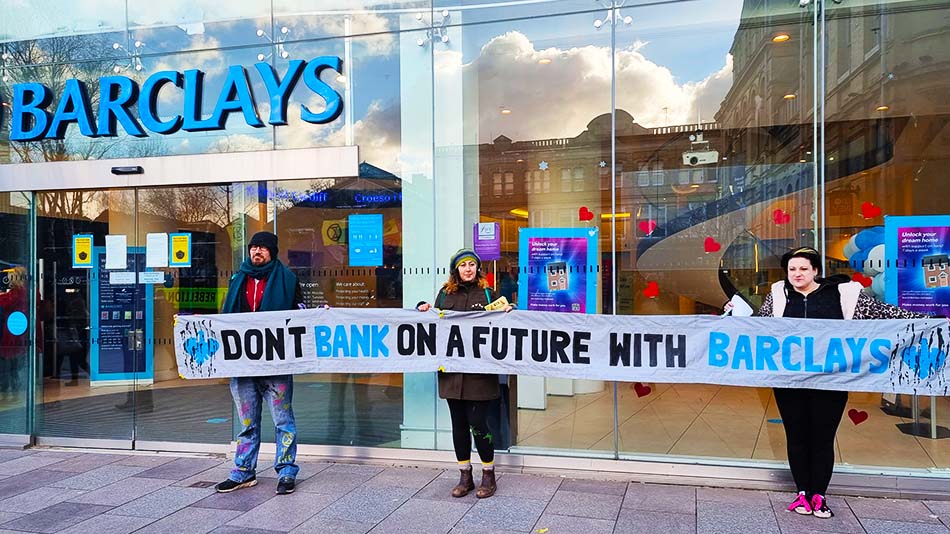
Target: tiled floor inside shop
723, 422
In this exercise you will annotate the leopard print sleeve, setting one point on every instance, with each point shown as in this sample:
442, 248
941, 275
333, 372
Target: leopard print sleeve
871, 308
765, 310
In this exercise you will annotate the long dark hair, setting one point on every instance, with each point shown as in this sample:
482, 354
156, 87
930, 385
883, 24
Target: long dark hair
452, 284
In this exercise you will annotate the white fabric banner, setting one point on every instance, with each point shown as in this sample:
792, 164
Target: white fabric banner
900, 356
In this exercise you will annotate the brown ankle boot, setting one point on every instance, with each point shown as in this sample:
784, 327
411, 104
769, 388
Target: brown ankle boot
466, 484
488, 486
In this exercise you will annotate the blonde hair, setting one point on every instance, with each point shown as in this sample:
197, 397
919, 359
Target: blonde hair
16, 277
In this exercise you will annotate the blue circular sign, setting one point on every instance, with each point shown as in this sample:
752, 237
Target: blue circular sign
16, 323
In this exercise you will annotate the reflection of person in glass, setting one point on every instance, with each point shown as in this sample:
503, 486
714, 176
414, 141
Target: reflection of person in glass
73, 335
469, 395
339, 410
263, 283
12, 344
811, 416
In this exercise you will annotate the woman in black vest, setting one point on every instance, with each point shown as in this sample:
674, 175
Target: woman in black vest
811, 416
469, 395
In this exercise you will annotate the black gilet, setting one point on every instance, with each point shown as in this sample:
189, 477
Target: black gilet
822, 303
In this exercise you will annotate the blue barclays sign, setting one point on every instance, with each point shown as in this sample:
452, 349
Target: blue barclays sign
121, 99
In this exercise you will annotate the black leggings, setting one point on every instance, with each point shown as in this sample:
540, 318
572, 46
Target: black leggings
470, 418
811, 418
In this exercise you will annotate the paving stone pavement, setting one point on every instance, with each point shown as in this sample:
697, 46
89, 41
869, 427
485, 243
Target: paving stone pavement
90, 492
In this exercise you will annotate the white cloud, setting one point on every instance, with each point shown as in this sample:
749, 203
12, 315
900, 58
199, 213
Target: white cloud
210, 60
709, 93
240, 143
377, 135
558, 98
372, 31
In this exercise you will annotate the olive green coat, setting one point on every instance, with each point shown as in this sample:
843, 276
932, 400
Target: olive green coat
467, 386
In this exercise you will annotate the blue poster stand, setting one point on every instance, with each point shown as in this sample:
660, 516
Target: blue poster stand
116, 353
921, 266
570, 258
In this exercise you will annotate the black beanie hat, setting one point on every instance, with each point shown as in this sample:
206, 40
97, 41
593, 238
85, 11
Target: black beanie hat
266, 240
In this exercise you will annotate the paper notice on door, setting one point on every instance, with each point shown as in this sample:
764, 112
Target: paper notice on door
152, 277
122, 278
116, 252
156, 250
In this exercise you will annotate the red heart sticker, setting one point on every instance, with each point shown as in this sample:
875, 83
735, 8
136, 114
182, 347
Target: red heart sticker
857, 416
861, 279
870, 211
648, 226
711, 245
585, 214
642, 390
780, 217
652, 290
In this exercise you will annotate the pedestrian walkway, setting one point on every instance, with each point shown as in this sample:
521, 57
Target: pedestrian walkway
99, 493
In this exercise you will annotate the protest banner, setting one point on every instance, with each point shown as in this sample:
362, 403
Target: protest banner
901, 356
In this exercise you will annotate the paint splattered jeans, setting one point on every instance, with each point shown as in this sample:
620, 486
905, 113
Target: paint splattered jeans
249, 393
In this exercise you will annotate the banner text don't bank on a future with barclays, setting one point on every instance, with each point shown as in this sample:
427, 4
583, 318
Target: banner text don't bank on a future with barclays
902, 356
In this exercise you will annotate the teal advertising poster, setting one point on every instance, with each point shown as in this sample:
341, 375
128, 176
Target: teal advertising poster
561, 269
365, 240
918, 278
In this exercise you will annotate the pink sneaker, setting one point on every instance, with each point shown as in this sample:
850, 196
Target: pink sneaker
820, 507
800, 505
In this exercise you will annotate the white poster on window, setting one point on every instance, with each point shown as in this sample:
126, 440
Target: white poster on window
117, 252
156, 250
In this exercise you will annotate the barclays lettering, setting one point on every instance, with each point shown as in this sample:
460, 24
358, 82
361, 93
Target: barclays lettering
799, 354
120, 97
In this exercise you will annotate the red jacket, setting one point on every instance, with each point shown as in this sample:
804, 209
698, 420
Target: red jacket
254, 292
12, 346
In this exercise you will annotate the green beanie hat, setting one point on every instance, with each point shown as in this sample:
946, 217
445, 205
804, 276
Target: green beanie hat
464, 254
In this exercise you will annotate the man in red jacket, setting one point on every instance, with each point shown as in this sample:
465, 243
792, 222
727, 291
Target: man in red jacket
263, 284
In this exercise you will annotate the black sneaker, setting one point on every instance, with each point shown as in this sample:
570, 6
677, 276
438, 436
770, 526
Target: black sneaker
285, 485
230, 485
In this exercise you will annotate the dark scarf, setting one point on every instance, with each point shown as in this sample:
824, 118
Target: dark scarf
278, 293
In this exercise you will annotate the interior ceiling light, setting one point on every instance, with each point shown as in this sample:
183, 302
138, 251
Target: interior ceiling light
882, 107
789, 96
781, 38
505, 111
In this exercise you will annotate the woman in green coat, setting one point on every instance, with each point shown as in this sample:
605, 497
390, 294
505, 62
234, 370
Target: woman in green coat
469, 395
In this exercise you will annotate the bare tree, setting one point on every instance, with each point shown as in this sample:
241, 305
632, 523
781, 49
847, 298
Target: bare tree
210, 203
51, 62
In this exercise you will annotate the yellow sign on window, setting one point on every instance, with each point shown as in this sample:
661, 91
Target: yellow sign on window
82, 251
180, 253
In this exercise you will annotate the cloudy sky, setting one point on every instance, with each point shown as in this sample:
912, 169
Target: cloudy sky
552, 73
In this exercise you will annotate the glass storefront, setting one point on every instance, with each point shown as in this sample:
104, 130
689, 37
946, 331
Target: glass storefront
700, 139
